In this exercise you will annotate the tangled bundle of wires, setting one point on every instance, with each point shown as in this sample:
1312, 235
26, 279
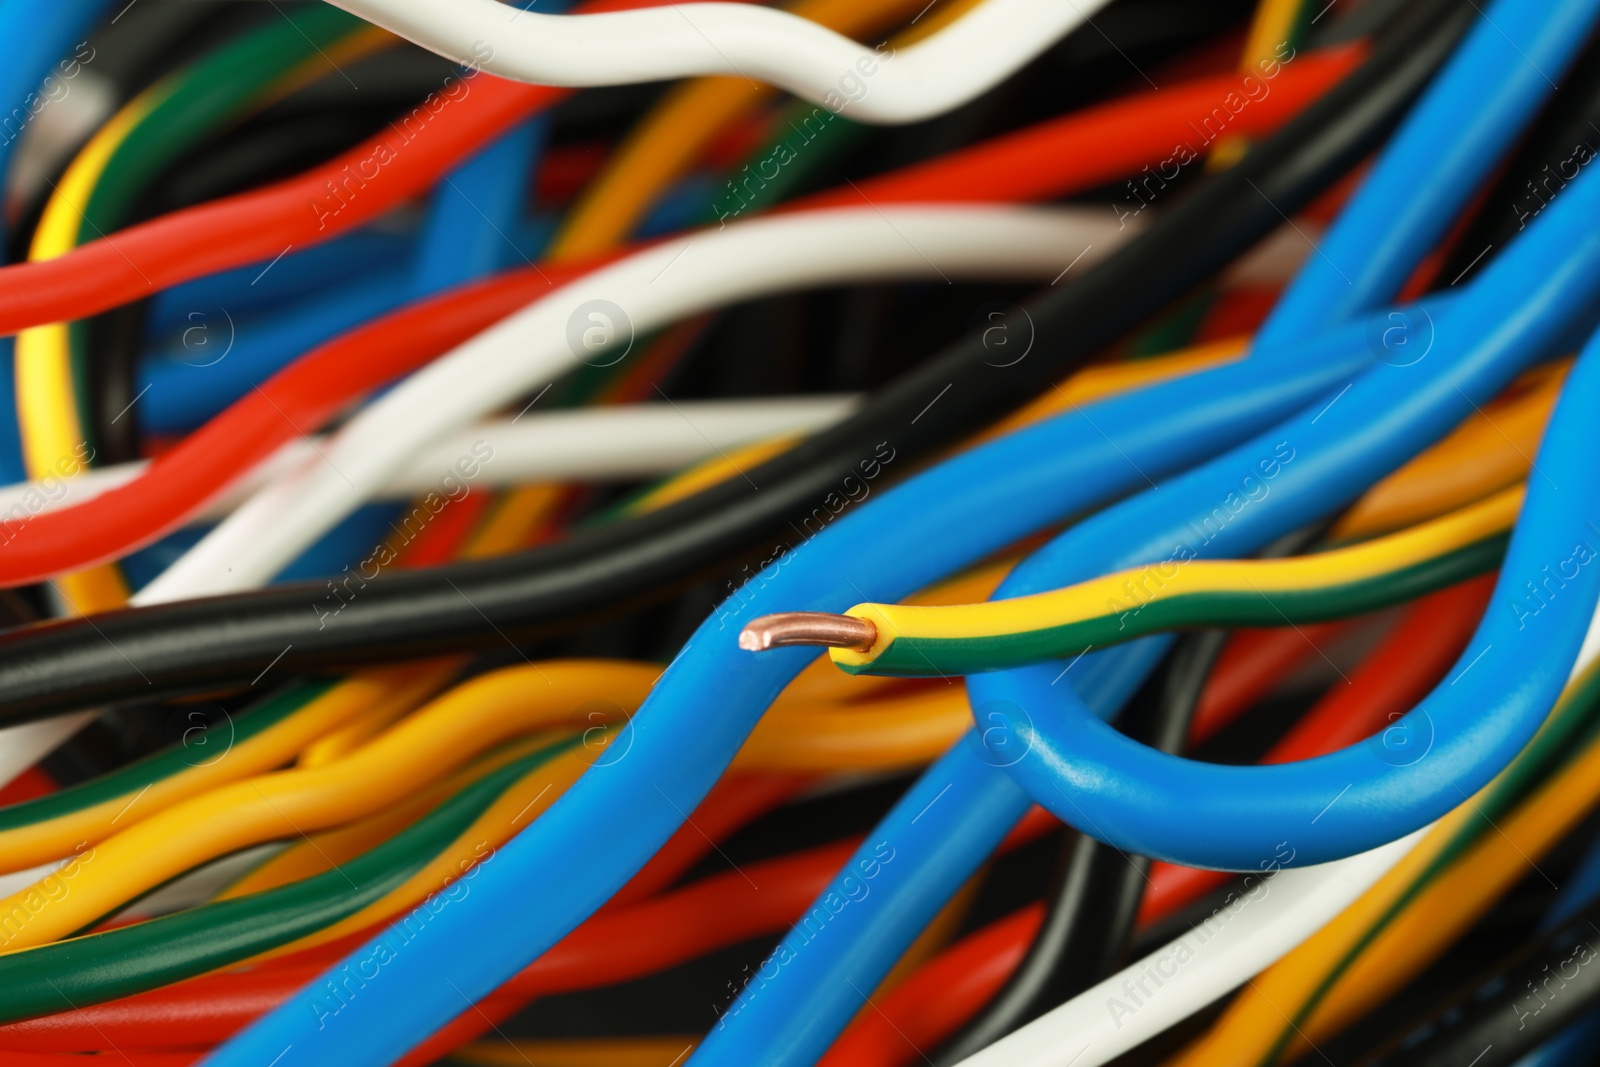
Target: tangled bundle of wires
991, 532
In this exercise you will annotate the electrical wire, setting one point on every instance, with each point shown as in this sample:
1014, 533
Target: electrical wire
1184, 593
1385, 939
1318, 150
971, 56
1095, 890
131, 959
1471, 115
1071, 749
623, 443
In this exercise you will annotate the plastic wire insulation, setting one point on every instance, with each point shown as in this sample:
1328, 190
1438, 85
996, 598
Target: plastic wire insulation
448, 731
50, 827
972, 55
1413, 656
1503, 72
1480, 344
994, 635
619, 564
652, 288
131, 959
1095, 889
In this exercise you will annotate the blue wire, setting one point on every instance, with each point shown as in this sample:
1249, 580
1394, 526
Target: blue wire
686, 755
468, 232
271, 283
673, 753
1473, 111
38, 37
1372, 793
831, 990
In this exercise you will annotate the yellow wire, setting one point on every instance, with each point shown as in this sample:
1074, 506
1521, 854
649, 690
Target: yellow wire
1439, 914
47, 409
1090, 599
450, 730
51, 839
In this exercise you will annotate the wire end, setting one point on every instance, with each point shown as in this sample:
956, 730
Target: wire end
815, 628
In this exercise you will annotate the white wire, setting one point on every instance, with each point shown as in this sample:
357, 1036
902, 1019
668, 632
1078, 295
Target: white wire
622, 442
971, 55
1239, 941
651, 288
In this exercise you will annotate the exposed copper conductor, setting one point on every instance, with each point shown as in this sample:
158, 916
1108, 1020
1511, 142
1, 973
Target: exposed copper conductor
815, 628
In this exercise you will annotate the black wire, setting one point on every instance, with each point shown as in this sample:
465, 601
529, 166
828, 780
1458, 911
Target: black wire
1562, 140
1095, 889
149, 652
1529, 998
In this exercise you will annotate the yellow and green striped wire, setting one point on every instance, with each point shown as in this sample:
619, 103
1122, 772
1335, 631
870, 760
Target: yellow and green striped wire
1183, 592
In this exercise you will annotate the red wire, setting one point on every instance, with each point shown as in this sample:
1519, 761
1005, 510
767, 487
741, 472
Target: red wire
953, 986
1252, 664
939, 998
1058, 157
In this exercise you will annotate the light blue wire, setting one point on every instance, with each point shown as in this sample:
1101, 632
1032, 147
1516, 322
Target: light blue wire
1574, 1046
561, 836
38, 37
1457, 738
559, 871
1453, 139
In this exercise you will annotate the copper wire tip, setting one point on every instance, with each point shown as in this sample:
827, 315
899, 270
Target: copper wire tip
815, 628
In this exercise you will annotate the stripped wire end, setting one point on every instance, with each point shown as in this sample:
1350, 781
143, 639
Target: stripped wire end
814, 628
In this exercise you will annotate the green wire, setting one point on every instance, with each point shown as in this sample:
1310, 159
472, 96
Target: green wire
118, 963
132, 779
210, 94
912, 655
